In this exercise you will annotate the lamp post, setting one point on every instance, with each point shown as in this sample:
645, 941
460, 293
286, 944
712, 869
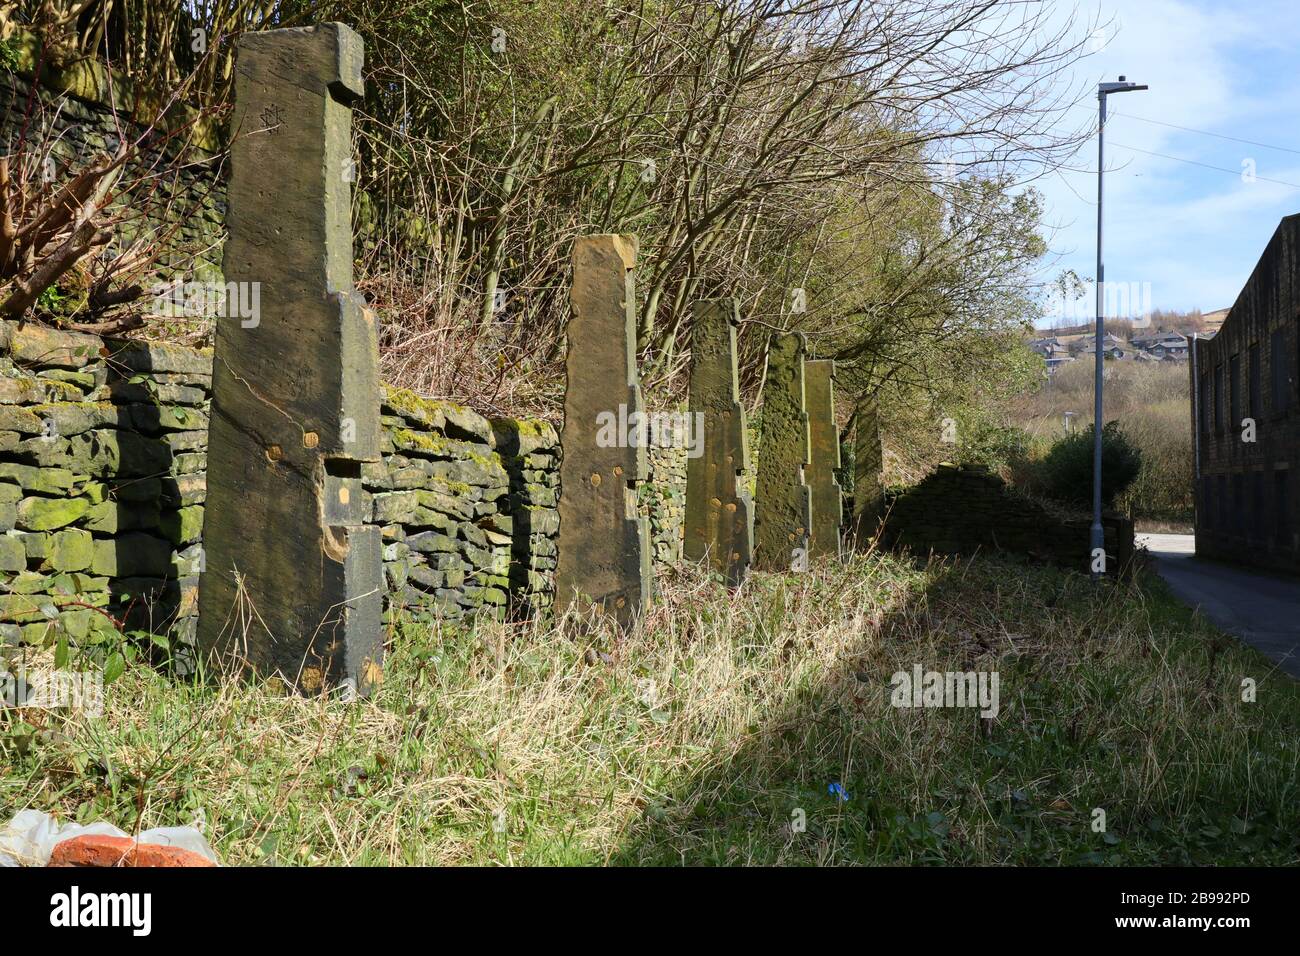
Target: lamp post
1097, 538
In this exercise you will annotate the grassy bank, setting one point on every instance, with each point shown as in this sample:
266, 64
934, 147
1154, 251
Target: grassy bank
703, 738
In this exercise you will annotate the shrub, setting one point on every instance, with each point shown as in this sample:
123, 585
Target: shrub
1067, 469
1152, 403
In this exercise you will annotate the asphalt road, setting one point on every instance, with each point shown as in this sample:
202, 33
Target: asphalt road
1262, 609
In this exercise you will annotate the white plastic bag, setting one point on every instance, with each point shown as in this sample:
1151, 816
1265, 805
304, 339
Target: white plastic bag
31, 836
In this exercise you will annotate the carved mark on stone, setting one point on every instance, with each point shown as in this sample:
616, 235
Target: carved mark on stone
272, 119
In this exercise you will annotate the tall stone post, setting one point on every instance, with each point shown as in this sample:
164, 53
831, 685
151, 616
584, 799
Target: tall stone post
719, 514
824, 437
604, 546
293, 583
867, 462
783, 511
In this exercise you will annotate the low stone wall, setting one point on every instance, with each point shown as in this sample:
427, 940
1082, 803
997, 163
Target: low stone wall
960, 510
467, 508
663, 501
102, 462
101, 483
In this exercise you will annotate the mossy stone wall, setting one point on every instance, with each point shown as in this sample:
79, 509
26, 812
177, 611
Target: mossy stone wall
102, 491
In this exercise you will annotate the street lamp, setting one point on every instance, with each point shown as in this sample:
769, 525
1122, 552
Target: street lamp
1097, 536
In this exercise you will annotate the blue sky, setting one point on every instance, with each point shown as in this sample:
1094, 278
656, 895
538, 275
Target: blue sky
1194, 234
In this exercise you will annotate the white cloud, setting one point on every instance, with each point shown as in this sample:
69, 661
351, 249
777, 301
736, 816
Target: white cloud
1193, 233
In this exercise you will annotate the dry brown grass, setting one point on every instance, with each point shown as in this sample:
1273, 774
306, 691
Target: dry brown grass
699, 737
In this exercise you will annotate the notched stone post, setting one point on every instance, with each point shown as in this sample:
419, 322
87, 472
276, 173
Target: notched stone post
293, 582
867, 462
719, 515
783, 511
604, 558
824, 437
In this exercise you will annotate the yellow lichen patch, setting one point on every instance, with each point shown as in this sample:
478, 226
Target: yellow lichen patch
311, 680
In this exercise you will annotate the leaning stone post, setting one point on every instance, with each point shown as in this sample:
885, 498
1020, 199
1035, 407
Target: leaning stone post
292, 582
719, 515
824, 438
783, 511
867, 459
604, 558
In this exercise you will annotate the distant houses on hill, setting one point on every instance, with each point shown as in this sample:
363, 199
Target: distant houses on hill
1155, 346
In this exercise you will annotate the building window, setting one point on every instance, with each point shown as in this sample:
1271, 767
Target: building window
1281, 375
1256, 401
1207, 503
1234, 392
1281, 508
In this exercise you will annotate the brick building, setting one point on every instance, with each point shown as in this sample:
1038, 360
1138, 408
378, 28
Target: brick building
1246, 494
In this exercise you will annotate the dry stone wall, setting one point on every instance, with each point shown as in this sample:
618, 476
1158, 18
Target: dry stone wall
663, 502
188, 204
102, 460
102, 492
965, 509
466, 507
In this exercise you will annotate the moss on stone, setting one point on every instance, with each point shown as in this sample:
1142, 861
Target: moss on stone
455, 487
424, 441
413, 405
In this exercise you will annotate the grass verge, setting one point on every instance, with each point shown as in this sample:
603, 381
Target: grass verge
746, 728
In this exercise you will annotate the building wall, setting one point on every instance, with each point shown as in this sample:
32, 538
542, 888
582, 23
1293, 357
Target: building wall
1246, 507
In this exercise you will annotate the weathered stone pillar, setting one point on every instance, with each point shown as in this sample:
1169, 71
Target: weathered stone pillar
604, 558
824, 438
719, 514
867, 462
783, 511
293, 582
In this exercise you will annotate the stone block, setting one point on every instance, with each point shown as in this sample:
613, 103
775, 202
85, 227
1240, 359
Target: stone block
783, 507
13, 554
719, 516
70, 550
132, 555
47, 514
282, 441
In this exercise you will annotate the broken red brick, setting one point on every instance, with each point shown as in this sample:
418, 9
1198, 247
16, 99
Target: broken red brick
121, 851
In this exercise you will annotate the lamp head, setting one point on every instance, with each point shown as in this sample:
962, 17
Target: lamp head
1123, 86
